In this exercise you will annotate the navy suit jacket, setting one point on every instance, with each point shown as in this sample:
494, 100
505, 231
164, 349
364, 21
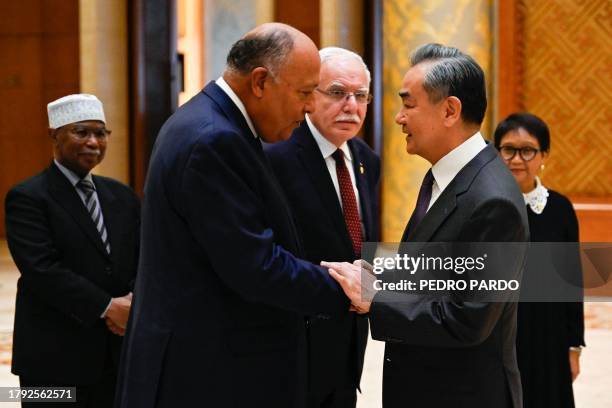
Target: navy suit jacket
337, 346
218, 310
452, 353
67, 277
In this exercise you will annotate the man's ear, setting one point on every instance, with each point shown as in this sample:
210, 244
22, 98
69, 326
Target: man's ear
52, 134
452, 110
258, 80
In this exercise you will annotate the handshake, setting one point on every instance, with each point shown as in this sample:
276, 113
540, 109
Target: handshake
357, 282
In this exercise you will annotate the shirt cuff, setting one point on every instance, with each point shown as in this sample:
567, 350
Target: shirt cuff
103, 315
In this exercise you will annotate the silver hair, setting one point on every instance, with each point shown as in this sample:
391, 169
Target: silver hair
330, 53
452, 73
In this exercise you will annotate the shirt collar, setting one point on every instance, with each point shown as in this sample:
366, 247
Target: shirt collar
445, 169
537, 198
71, 175
232, 95
327, 148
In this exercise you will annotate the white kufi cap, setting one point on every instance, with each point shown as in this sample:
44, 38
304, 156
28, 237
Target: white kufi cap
74, 108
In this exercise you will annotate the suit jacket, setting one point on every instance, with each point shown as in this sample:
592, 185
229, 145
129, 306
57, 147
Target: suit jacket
460, 354
67, 277
220, 299
337, 346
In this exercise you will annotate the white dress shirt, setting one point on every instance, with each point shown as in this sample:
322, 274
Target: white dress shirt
327, 150
74, 179
232, 95
447, 168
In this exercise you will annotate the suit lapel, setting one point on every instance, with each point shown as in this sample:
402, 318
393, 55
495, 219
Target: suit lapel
364, 189
66, 196
236, 117
437, 214
312, 160
446, 203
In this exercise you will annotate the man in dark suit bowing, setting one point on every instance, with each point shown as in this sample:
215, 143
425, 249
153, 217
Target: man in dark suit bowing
448, 351
330, 178
221, 296
74, 238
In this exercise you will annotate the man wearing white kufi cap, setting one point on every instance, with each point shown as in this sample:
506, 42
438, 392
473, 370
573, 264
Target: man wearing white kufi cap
74, 238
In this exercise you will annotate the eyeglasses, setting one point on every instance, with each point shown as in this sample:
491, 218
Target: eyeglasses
83, 132
526, 153
361, 97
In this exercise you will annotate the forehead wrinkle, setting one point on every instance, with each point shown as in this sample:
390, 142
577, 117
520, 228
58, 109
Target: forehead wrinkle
335, 82
347, 83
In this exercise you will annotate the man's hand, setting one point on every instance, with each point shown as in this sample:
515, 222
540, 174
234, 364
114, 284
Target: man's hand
114, 328
349, 276
117, 314
574, 360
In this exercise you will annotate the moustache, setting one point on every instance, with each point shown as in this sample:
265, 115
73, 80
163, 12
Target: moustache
348, 117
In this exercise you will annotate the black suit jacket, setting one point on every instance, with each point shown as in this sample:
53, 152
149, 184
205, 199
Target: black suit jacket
443, 353
67, 277
220, 299
337, 346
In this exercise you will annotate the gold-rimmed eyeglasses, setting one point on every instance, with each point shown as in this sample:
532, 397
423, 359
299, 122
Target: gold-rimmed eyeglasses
361, 97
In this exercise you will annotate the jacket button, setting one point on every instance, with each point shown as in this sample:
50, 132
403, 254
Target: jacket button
108, 269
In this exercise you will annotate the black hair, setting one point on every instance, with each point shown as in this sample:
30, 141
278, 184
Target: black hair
535, 126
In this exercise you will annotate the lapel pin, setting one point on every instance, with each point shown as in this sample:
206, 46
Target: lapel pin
361, 169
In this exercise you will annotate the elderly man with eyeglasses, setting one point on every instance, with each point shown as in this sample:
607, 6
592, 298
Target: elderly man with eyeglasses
330, 178
74, 238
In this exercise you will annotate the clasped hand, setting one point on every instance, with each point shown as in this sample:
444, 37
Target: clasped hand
356, 280
118, 313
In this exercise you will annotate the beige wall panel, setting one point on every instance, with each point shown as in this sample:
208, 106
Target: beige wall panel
407, 24
191, 45
104, 73
264, 11
342, 24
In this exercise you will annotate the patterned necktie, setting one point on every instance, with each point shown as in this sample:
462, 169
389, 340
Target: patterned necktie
93, 208
421, 206
349, 203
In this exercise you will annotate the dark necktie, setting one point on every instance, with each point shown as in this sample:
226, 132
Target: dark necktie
94, 210
421, 206
349, 203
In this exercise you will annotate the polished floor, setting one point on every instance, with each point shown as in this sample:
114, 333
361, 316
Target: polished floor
592, 388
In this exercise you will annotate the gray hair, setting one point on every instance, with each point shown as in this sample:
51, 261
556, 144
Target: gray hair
452, 73
330, 53
269, 49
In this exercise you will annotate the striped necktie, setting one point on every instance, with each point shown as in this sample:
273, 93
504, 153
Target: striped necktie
94, 210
